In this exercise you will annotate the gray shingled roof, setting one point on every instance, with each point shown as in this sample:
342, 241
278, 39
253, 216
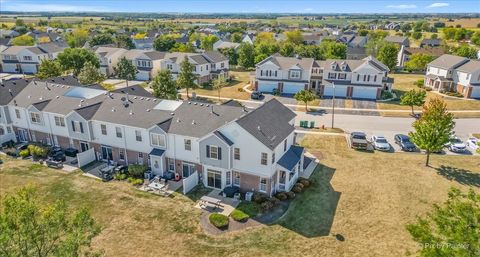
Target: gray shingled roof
286, 63
37, 91
470, 67
223, 137
10, 89
291, 157
134, 90
269, 123
215, 56
448, 61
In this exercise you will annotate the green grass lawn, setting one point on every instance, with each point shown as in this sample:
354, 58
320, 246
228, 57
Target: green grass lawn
233, 90
367, 198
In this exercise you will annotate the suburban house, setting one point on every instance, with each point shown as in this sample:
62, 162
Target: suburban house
8, 90
220, 44
208, 65
224, 145
430, 43
450, 73
399, 40
143, 43
364, 79
405, 53
356, 53
26, 59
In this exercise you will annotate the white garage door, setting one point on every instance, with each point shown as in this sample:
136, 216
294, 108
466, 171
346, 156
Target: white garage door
266, 86
475, 92
364, 92
292, 88
9, 67
29, 68
340, 91
142, 75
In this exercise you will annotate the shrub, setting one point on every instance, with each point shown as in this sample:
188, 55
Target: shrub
120, 176
37, 151
267, 206
419, 83
428, 88
137, 170
24, 153
275, 201
239, 215
137, 182
297, 188
218, 220
282, 196
456, 94
259, 197
290, 195
305, 182
387, 95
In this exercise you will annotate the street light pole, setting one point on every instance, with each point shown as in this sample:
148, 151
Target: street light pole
333, 105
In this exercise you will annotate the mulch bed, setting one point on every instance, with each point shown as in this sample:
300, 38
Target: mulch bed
261, 219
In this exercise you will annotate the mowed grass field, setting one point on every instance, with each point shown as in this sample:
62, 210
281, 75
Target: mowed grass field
233, 90
355, 196
405, 82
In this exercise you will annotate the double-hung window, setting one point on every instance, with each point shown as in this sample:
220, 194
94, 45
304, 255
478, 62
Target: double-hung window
158, 140
138, 135
59, 121
263, 160
118, 132
236, 153
188, 144
103, 127
213, 152
35, 117
263, 185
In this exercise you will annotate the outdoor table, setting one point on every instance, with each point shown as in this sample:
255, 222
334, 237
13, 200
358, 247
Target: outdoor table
204, 200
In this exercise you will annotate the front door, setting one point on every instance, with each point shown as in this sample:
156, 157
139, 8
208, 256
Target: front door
188, 169
22, 135
140, 158
84, 146
107, 153
214, 179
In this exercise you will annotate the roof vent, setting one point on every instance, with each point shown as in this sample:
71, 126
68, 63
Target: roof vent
142, 98
201, 104
131, 112
148, 110
207, 105
134, 97
40, 98
57, 96
194, 103
113, 109
154, 99
178, 120
29, 96
259, 129
193, 122
35, 82
189, 102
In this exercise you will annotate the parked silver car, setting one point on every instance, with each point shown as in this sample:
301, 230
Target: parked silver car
380, 143
456, 145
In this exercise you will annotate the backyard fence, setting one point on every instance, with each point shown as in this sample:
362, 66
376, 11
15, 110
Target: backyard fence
190, 182
86, 157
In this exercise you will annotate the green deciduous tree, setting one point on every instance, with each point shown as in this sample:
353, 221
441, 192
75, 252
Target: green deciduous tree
466, 51
208, 41
236, 37
102, 39
186, 77
434, 129
163, 43
451, 229
287, 49
417, 35
164, 86
418, 62
219, 83
49, 69
294, 37
413, 98
75, 58
305, 96
333, 50
77, 38
90, 74
124, 41
387, 54
31, 228
23, 40
231, 54
246, 55
125, 70
264, 37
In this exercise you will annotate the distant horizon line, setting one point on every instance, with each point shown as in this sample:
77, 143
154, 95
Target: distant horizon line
475, 14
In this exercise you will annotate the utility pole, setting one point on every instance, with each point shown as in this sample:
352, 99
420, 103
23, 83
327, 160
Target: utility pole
333, 105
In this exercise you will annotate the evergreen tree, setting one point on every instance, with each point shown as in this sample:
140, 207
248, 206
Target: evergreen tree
125, 70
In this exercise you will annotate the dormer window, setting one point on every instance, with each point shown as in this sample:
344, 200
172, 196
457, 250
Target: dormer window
295, 74
334, 65
35, 117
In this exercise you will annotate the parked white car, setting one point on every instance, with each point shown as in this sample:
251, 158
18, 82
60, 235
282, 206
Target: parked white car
456, 145
380, 143
472, 143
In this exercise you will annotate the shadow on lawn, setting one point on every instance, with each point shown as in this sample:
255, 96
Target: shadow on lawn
311, 214
462, 176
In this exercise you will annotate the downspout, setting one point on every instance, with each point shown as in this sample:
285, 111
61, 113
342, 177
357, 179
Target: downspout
125, 146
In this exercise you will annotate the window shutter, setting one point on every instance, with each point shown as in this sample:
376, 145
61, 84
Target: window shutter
261, 72
219, 153
208, 151
81, 127
73, 126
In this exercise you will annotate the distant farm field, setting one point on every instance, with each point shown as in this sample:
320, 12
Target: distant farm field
465, 23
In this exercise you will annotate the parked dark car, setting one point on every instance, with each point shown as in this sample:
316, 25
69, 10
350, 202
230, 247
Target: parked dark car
71, 152
256, 95
404, 142
358, 140
58, 156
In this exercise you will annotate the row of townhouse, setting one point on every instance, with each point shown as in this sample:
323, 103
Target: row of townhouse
450, 73
27, 59
363, 79
207, 65
226, 145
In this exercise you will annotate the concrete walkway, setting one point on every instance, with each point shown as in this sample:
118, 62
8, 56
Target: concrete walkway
307, 172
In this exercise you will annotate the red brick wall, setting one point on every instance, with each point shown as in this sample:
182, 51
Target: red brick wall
63, 142
256, 85
460, 88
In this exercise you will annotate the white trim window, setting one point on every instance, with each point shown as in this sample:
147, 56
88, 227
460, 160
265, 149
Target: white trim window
213, 152
35, 118
263, 185
158, 140
103, 128
171, 164
295, 74
118, 131
59, 121
17, 113
264, 159
138, 135
188, 144
121, 154
236, 178
236, 153
228, 178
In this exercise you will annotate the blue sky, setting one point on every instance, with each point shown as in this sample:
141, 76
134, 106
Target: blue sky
257, 6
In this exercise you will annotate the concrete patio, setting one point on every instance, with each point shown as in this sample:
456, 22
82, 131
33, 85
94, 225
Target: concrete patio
227, 205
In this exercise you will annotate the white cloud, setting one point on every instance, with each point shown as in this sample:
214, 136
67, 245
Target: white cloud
437, 5
17, 7
402, 6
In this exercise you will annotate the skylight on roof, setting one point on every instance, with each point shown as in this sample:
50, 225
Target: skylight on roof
167, 105
84, 92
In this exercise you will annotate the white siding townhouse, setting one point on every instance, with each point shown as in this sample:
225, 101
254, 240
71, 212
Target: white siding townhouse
362, 79
450, 73
225, 145
207, 65
26, 59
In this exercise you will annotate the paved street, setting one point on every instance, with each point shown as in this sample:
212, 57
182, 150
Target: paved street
378, 125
